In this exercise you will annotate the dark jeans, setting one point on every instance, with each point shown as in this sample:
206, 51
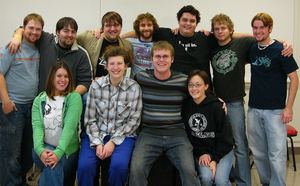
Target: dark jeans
15, 144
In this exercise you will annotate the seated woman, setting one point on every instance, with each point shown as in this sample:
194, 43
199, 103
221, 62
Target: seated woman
208, 130
55, 117
113, 113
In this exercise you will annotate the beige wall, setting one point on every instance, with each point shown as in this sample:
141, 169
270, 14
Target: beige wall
296, 45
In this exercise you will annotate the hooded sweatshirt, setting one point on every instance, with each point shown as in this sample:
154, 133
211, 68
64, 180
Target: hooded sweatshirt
207, 127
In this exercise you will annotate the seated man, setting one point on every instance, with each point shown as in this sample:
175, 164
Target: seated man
162, 126
113, 113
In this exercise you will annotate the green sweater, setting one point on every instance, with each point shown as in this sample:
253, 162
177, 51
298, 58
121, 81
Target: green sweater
68, 142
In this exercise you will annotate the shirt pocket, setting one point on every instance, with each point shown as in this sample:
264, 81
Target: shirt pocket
101, 106
124, 108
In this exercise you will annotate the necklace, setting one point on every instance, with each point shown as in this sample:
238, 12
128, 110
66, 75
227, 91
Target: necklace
262, 47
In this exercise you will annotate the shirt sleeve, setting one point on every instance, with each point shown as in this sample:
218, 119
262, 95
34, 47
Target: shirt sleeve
38, 127
91, 117
6, 60
70, 123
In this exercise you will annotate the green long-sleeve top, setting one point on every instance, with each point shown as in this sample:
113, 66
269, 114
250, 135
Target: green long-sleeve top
68, 142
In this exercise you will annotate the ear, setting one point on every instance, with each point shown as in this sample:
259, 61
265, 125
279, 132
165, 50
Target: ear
206, 86
172, 59
270, 29
57, 32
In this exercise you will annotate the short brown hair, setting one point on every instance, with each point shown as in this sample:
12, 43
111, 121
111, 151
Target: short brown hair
111, 17
162, 45
51, 76
149, 17
35, 17
112, 51
222, 19
265, 18
65, 22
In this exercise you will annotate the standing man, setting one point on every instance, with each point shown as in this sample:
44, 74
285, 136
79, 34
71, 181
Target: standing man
63, 47
228, 61
162, 126
192, 49
19, 86
144, 26
111, 26
269, 112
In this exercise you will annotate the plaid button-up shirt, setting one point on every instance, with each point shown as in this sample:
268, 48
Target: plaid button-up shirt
114, 111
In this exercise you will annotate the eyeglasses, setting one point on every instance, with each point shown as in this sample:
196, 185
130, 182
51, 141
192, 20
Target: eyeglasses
110, 26
159, 56
192, 85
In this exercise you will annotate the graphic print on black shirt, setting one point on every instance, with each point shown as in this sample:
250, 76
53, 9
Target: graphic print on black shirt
101, 65
224, 61
198, 124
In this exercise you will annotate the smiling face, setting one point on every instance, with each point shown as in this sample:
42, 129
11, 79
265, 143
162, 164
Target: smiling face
66, 36
261, 32
162, 60
32, 31
146, 30
111, 31
197, 87
61, 81
222, 33
116, 68
187, 24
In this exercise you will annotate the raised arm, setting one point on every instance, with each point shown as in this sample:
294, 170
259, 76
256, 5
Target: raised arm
16, 42
130, 34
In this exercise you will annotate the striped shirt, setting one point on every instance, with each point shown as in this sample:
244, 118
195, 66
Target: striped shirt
21, 73
114, 111
162, 100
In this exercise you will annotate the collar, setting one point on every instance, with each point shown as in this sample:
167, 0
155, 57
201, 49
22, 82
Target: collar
74, 46
124, 84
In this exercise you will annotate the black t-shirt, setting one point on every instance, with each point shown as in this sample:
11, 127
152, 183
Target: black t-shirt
101, 65
228, 63
61, 51
190, 52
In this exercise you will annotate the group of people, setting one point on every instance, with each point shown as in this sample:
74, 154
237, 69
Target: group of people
169, 105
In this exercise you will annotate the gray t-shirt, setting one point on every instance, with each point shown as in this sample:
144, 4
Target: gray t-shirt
20, 71
142, 55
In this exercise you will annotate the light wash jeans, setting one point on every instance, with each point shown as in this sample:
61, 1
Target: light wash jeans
236, 118
15, 144
65, 168
149, 147
267, 140
222, 173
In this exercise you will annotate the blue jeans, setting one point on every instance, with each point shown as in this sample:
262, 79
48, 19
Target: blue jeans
149, 147
88, 163
222, 173
15, 144
267, 140
65, 167
236, 118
